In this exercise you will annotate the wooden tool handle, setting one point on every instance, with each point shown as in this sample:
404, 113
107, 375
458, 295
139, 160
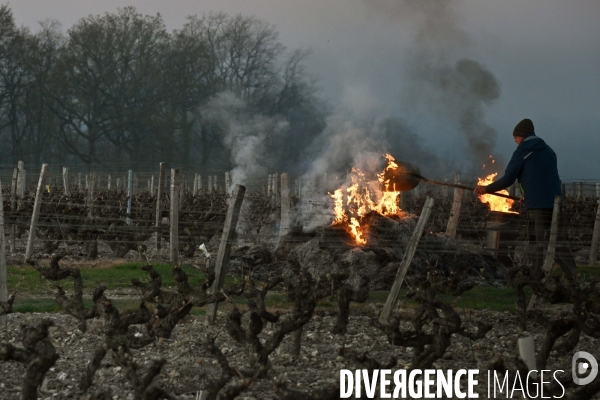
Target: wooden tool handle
459, 186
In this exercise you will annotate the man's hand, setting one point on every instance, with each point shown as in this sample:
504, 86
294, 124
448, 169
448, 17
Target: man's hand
480, 190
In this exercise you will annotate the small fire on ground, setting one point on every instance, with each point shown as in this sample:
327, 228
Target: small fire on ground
363, 196
496, 203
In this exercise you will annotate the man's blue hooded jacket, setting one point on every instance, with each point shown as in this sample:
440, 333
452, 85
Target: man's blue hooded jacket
534, 164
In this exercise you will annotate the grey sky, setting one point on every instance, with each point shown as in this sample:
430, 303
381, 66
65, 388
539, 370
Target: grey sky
545, 54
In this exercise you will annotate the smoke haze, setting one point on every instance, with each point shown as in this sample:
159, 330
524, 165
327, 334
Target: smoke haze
544, 53
459, 90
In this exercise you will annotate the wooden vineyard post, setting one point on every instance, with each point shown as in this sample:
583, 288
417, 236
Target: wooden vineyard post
199, 183
285, 221
181, 183
226, 187
90, 194
151, 188
215, 184
91, 247
3, 272
595, 238
195, 187
109, 182
13, 206
129, 195
409, 253
549, 260
455, 213
174, 217
416, 193
526, 347
269, 185
159, 192
21, 182
277, 184
36, 212
91, 189
233, 213
227, 181
579, 191
65, 176
135, 183
87, 181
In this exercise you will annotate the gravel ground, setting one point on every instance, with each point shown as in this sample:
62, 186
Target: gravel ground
189, 365
318, 366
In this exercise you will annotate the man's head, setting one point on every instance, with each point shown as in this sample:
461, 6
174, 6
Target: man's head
524, 128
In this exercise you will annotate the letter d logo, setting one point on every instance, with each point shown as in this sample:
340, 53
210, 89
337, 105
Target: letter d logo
579, 368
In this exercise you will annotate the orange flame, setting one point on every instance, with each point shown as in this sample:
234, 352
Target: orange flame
357, 231
496, 203
359, 202
338, 209
388, 204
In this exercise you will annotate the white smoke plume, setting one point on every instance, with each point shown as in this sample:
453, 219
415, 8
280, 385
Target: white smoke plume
245, 134
345, 143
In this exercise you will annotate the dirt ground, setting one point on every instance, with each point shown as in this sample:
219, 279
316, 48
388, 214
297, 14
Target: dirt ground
189, 365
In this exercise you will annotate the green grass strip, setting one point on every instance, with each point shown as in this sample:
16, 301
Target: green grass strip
120, 275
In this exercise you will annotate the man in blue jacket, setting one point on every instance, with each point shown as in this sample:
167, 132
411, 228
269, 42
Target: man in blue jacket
533, 164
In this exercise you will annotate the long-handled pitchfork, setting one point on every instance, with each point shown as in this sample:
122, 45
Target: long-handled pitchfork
408, 176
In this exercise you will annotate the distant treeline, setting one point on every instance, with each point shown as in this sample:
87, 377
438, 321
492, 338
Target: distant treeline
121, 89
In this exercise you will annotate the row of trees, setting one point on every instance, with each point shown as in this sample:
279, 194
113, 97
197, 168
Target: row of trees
120, 88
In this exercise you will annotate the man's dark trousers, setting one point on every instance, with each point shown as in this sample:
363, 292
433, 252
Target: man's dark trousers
538, 231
